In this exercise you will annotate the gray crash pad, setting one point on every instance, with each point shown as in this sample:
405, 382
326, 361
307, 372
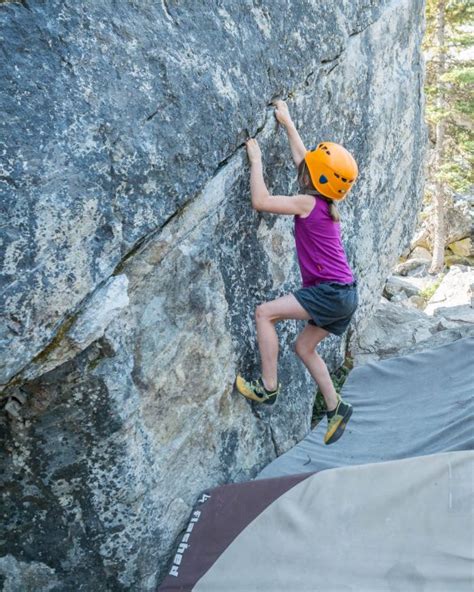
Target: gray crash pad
407, 406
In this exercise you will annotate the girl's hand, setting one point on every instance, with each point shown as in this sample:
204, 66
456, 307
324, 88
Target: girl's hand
253, 150
281, 112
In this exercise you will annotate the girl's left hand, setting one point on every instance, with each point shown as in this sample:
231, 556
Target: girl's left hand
253, 150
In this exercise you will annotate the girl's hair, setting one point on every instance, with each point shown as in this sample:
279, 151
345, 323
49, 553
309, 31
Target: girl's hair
306, 186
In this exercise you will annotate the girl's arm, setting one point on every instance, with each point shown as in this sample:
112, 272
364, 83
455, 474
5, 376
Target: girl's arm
258, 189
262, 201
283, 116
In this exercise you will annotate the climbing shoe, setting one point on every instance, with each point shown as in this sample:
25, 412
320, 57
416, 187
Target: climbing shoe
320, 408
256, 391
337, 421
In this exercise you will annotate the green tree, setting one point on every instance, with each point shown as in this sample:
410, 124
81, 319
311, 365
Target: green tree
449, 108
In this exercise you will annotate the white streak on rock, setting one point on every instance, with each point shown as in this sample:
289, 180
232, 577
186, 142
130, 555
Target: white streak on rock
103, 307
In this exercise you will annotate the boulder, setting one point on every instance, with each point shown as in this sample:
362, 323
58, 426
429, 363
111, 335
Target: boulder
396, 286
400, 297
392, 328
462, 248
416, 267
452, 293
414, 302
397, 329
463, 313
441, 337
421, 238
420, 253
459, 220
133, 261
451, 260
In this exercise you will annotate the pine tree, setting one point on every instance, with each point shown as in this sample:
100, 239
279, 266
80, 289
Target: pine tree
449, 108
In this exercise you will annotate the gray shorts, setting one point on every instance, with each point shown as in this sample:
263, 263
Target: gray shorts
330, 304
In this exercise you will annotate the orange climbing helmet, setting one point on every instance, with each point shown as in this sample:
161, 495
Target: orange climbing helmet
332, 169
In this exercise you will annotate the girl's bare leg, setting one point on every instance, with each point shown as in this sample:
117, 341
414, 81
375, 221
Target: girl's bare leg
305, 347
266, 315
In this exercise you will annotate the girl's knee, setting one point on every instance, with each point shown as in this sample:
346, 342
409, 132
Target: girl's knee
262, 312
303, 350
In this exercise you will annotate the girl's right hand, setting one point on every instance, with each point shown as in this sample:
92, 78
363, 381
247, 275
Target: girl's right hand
281, 112
253, 150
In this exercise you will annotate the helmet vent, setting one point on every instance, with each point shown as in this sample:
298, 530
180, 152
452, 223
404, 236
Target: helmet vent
336, 175
327, 152
345, 180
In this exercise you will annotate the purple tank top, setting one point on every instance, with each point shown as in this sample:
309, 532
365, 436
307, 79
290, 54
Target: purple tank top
319, 248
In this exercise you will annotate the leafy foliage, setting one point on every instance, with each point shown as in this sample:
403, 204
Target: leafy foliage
456, 86
428, 292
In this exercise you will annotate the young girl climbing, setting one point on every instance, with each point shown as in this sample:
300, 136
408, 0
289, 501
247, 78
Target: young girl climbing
329, 295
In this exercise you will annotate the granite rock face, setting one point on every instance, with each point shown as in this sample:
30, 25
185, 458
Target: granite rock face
398, 329
132, 261
453, 297
406, 322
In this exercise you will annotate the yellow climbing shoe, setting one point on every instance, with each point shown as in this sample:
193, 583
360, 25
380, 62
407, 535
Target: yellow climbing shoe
256, 391
337, 422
